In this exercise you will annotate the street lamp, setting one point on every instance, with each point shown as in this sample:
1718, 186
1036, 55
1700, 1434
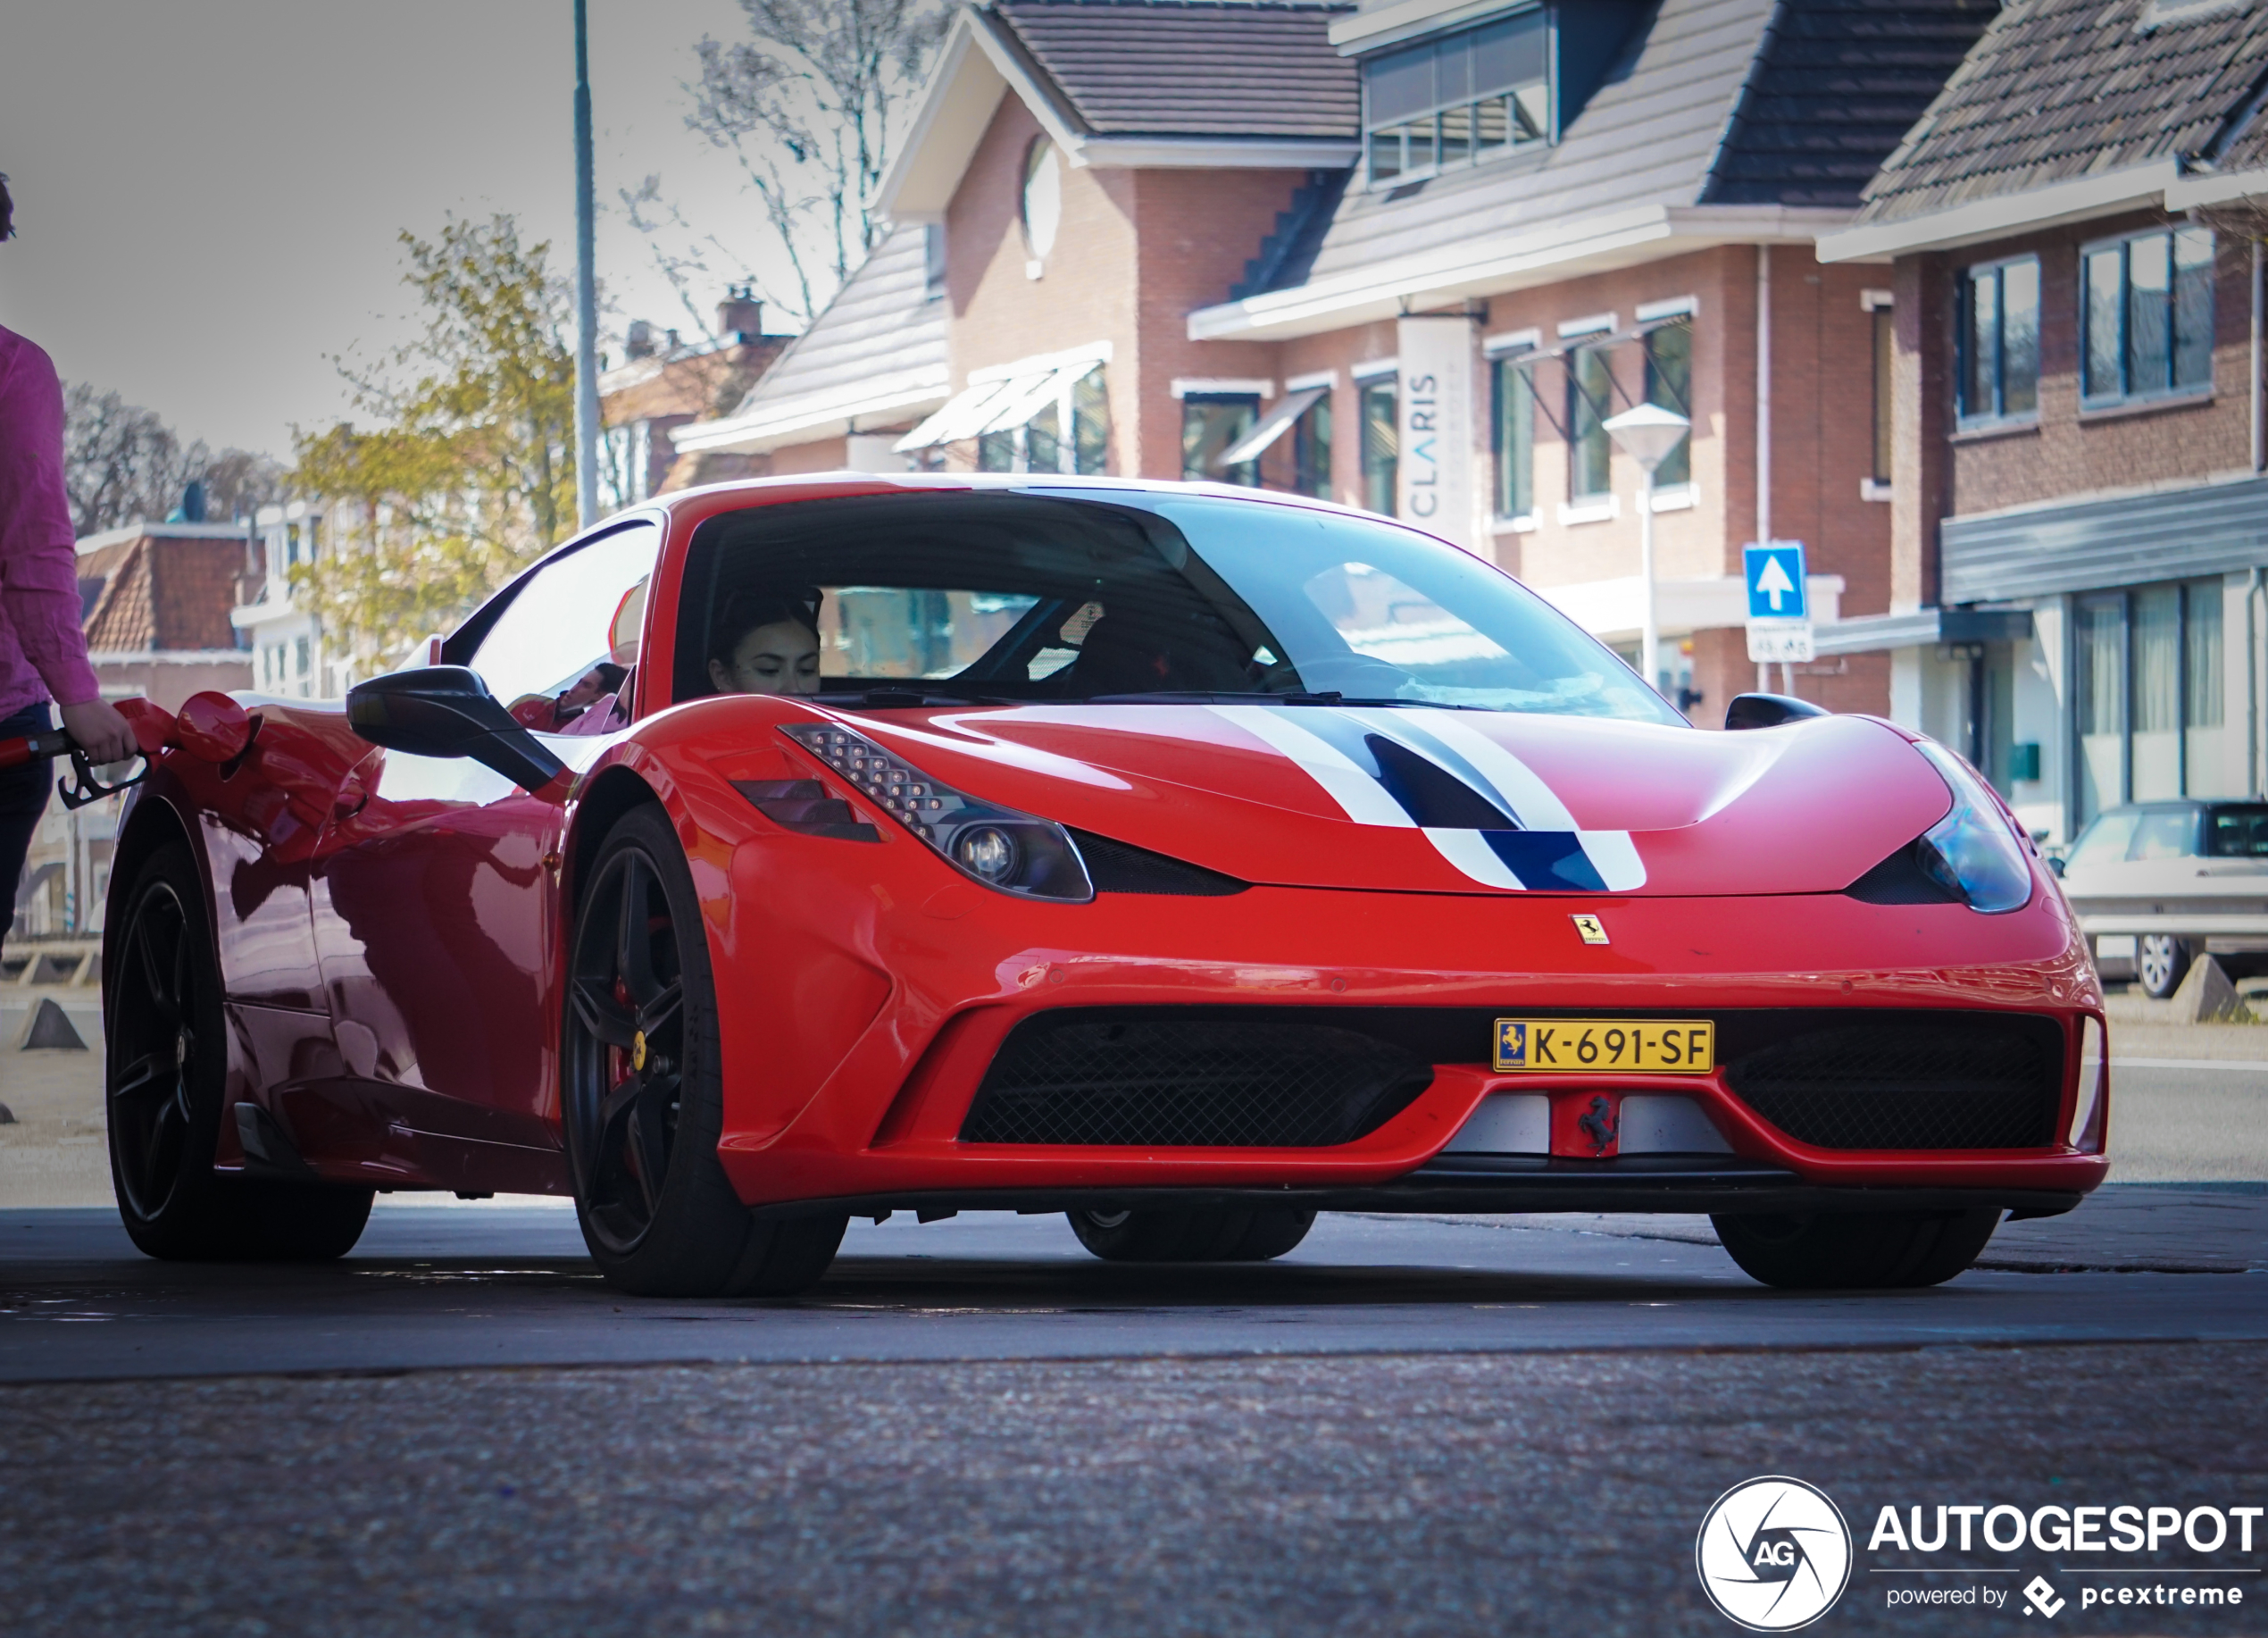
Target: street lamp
1647, 434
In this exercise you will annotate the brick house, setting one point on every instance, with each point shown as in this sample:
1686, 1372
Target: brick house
155, 601
1406, 257
664, 384
2081, 521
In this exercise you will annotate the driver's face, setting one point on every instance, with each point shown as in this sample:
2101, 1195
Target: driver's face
589, 686
780, 658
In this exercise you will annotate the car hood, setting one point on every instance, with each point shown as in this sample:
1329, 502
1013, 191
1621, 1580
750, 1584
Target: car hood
1430, 800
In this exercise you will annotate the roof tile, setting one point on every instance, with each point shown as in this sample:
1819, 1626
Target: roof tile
1198, 68
2059, 89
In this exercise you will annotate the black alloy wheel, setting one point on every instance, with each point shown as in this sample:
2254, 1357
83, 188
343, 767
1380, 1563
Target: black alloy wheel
162, 1055
1203, 1234
1855, 1250
627, 988
165, 1067
642, 1090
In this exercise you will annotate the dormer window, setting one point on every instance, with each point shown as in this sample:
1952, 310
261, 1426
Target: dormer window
1463, 97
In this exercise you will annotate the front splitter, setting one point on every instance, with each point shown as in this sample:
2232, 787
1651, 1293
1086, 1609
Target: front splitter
1487, 1183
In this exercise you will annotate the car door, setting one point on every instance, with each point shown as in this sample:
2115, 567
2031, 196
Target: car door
432, 902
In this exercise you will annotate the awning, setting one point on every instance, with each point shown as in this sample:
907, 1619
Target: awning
997, 405
1271, 427
964, 415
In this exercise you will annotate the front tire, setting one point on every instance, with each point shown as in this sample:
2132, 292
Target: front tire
643, 1091
165, 1067
1855, 1250
2161, 961
1204, 1235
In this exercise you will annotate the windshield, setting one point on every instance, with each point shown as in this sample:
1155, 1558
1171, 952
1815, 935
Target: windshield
2131, 835
1121, 595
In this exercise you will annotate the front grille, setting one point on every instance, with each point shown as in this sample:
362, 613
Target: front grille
1912, 1081
1154, 1076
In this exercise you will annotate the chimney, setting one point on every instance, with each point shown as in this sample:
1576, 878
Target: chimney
740, 315
639, 343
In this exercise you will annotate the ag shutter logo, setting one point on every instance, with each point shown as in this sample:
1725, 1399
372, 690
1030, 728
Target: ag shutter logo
1773, 1554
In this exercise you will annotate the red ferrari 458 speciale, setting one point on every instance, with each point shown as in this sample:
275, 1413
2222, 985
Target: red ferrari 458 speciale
1183, 859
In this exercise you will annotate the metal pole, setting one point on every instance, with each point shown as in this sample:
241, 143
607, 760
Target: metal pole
586, 289
1650, 633
1764, 423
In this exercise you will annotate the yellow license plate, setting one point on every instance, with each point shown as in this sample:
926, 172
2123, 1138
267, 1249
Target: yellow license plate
1618, 1046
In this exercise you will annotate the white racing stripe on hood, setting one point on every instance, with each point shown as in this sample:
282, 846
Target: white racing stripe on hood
1536, 804
1614, 855
1358, 794
1469, 852
1469, 756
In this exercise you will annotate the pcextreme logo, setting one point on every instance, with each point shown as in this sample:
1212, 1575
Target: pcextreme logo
1773, 1554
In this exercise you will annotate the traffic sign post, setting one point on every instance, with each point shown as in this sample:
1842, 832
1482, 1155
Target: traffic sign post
1779, 604
1776, 575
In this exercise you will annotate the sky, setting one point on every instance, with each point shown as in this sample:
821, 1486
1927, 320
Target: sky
208, 192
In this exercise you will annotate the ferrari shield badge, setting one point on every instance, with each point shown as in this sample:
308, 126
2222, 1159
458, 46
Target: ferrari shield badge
1590, 930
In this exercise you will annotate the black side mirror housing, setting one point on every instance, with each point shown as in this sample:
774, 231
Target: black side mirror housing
1768, 710
447, 711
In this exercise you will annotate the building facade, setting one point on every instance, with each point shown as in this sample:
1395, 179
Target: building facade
285, 637
2080, 517
1406, 257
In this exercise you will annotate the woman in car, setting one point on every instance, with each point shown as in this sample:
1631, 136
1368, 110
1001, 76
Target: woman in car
766, 642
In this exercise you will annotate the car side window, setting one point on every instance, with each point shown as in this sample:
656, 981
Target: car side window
2167, 834
571, 617
2239, 832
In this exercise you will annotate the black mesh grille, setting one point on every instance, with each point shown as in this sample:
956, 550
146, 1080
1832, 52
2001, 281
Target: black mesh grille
1117, 867
1929, 1081
1081, 1076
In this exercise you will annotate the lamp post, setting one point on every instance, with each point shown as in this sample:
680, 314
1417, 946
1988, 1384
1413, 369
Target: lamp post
586, 291
1647, 434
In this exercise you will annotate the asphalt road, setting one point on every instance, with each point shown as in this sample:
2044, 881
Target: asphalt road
1407, 1426
971, 1427
437, 1287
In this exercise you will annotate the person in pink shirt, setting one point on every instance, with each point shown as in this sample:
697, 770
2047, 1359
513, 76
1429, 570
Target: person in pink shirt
43, 648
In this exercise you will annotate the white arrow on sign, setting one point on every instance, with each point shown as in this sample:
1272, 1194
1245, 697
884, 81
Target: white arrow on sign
1773, 583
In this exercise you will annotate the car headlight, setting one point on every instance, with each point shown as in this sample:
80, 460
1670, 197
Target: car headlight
1972, 852
1016, 853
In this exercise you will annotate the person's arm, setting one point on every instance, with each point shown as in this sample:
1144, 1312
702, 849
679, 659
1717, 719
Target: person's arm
38, 559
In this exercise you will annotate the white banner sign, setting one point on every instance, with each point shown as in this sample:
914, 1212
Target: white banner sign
1435, 487
1779, 641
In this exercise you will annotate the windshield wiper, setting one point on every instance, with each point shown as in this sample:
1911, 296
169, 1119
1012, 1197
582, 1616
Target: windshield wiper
1296, 697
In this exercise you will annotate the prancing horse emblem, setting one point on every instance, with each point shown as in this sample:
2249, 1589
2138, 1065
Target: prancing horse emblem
1592, 929
1600, 1124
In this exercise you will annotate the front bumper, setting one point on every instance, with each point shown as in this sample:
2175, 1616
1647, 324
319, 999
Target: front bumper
948, 971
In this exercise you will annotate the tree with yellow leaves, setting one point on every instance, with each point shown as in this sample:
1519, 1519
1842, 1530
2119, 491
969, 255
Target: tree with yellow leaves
468, 473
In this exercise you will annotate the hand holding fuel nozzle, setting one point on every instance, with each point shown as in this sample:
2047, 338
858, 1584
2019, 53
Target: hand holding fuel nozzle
95, 734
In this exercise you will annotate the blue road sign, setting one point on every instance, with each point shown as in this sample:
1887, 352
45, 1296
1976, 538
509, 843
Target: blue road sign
1775, 572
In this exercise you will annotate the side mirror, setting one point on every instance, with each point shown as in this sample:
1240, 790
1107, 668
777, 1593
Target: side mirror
447, 711
1768, 711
